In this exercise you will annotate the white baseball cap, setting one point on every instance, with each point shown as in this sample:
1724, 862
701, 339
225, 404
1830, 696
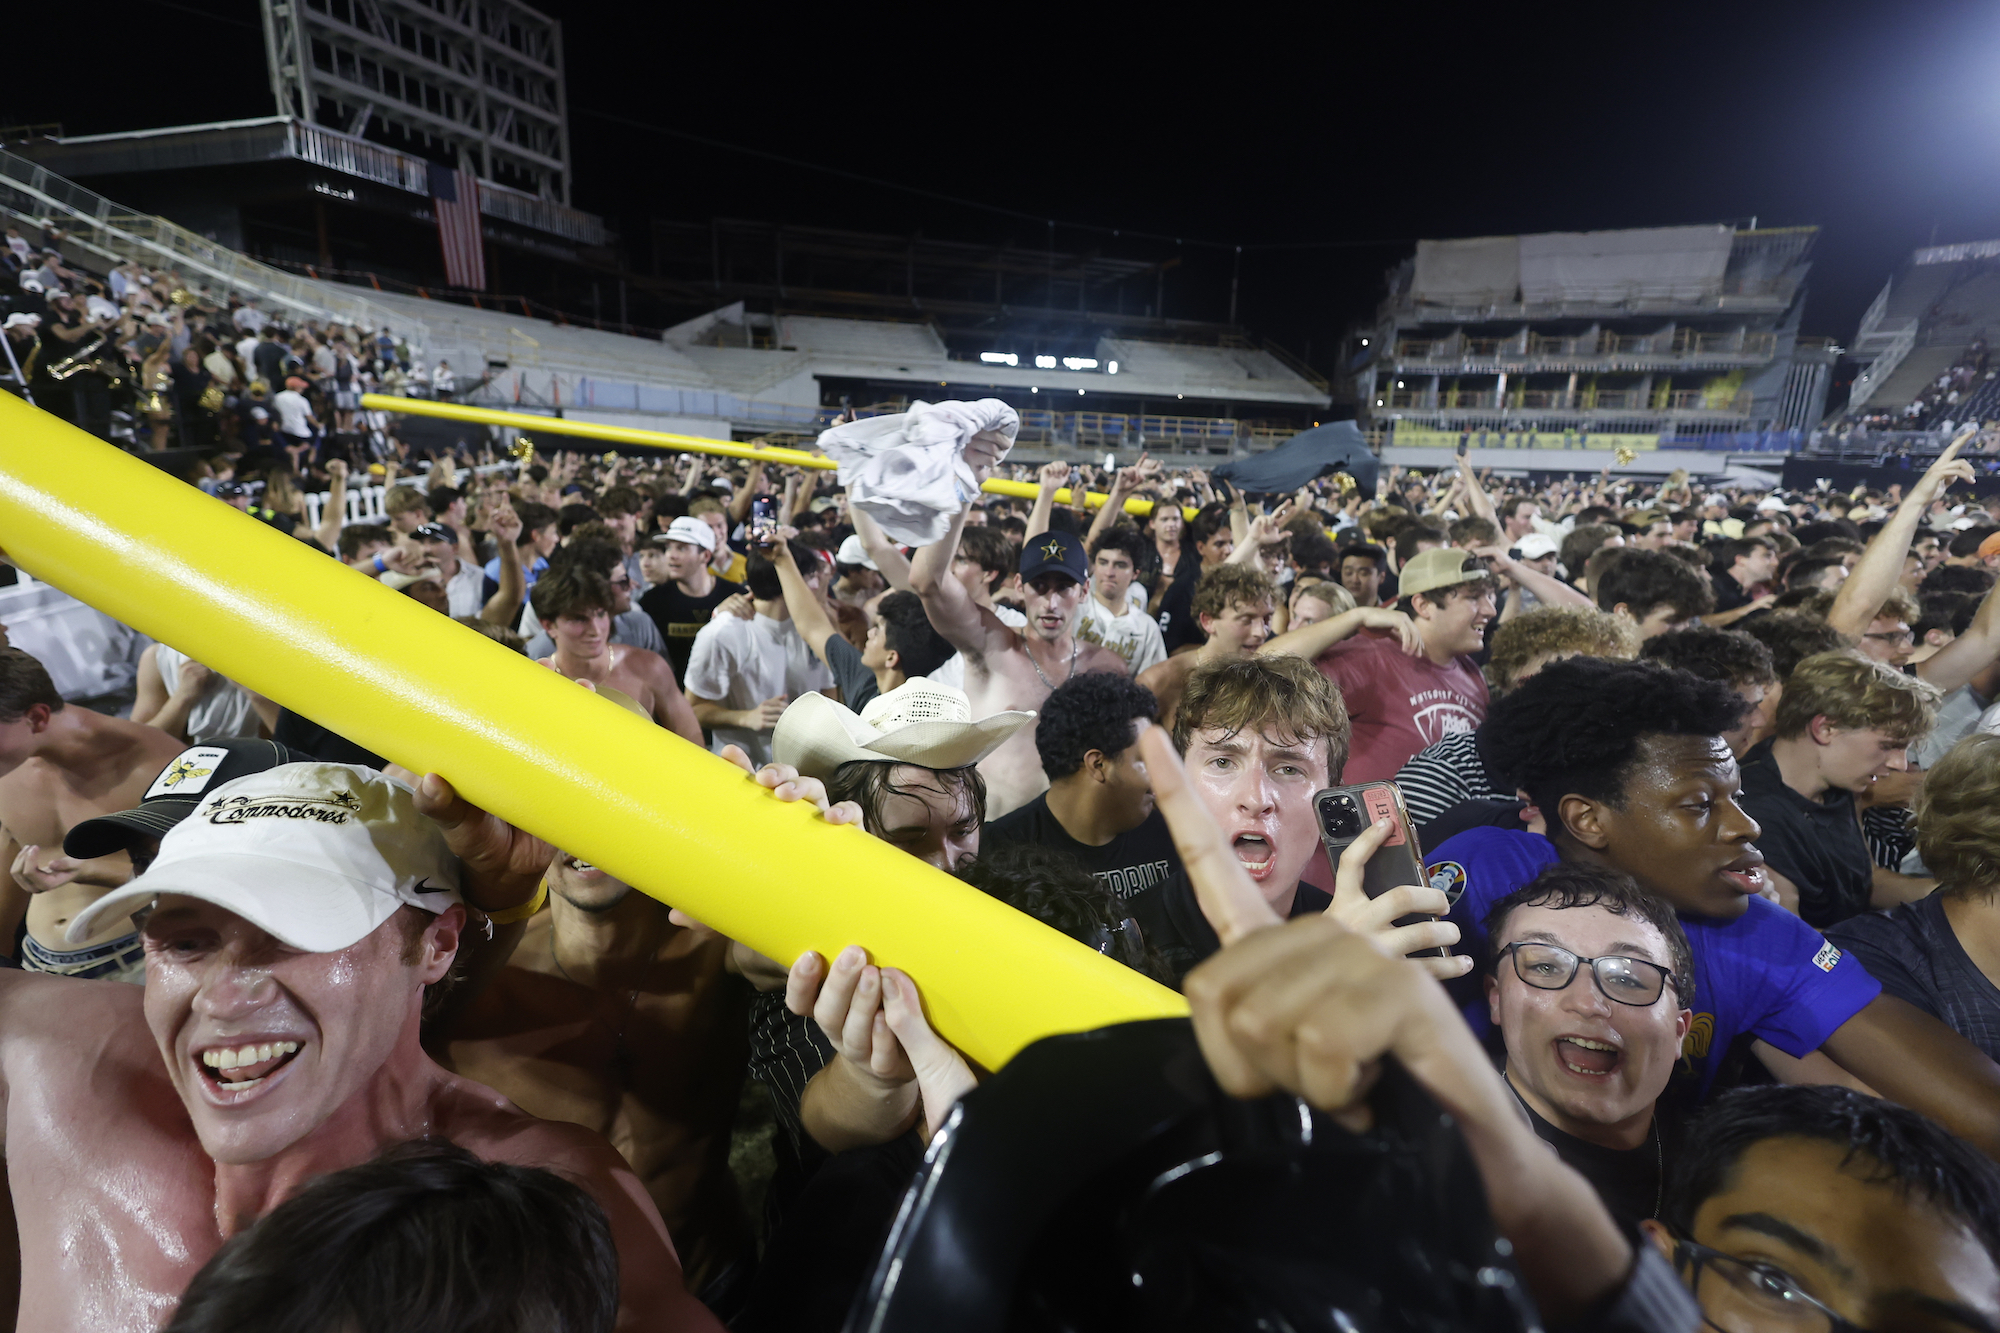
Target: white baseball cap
1536, 545
852, 552
693, 531
317, 855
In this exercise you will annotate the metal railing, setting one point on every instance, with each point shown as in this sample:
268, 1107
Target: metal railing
1883, 366
356, 157
1562, 400
156, 242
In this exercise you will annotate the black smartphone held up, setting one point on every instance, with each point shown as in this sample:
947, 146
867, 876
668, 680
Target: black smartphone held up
1345, 814
764, 520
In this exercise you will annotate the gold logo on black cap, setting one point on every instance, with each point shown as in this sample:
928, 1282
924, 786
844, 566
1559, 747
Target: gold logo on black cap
1053, 550
183, 772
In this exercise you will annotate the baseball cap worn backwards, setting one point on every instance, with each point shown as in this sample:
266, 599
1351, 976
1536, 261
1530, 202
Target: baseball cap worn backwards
1439, 567
174, 794
317, 855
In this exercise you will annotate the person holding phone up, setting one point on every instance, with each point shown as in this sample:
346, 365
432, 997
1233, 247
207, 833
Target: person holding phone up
1261, 738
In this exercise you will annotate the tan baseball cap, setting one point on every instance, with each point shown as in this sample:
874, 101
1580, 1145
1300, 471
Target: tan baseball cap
1439, 567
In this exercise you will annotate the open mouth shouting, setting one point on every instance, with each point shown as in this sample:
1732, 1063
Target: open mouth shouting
1588, 1057
233, 1072
1255, 852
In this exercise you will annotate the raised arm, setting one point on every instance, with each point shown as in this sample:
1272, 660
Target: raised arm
1053, 477
1476, 498
334, 516
950, 607
889, 559
1257, 532
1876, 572
1553, 592
1125, 481
1970, 653
753, 485
808, 615
503, 608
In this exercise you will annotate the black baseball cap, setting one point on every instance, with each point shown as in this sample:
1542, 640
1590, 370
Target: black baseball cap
436, 532
175, 793
1053, 553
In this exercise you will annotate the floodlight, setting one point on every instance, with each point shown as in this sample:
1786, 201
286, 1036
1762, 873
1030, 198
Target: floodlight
1045, 363
1000, 358
1111, 367
1080, 362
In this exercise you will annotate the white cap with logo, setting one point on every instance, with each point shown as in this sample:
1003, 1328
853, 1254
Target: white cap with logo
693, 531
317, 855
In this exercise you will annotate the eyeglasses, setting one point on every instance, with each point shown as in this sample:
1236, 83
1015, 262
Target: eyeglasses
1902, 638
1746, 1296
1124, 942
1632, 981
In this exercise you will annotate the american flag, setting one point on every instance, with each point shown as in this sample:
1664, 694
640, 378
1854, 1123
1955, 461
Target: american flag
455, 201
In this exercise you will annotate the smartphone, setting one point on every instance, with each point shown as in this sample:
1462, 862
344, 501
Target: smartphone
764, 520
1345, 813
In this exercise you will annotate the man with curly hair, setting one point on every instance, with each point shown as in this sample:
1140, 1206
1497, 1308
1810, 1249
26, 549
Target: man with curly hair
1232, 603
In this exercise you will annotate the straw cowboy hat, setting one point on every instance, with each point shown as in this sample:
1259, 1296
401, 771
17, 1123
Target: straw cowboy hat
919, 722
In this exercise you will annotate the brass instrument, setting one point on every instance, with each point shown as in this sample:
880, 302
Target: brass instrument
92, 358
522, 449
1345, 484
1624, 454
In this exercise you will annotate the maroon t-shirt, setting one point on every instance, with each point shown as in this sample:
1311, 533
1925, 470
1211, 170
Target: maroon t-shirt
1399, 704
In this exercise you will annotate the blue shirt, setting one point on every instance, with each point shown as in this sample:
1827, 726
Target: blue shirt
1766, 973
529, 573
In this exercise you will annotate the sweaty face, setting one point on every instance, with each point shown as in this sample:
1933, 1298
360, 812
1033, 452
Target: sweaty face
928, 820
1051, 601
1854, 759
583, 885
1681, 833
1589, 1065
1217, 548
1111, 575
1240, 629
264, 1042
583, 635
1815, 1221
1128, 789
1363, 578
1259, 789
683, 559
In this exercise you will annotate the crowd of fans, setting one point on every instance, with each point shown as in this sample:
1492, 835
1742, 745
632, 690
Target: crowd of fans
148, 359
1733, 754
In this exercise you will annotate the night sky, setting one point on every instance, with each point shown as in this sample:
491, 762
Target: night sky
1235, 124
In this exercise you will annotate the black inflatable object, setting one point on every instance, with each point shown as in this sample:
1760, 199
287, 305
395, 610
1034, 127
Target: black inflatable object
1103, 1181
1338, 446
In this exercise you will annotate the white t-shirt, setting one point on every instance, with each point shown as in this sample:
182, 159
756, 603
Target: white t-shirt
740, 663
222, 712
1134, 636
294, 412
465, 593
250, 318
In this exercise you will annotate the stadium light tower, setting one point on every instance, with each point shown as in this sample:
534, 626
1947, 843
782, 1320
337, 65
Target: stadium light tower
478, 83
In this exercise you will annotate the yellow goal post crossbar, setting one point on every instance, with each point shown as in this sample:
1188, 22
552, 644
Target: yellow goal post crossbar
668, 817
530, 423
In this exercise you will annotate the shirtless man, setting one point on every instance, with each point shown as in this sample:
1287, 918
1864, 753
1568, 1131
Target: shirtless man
1007, 669
61, 765
574, 607
1232, 604
276, 1039
611, 1017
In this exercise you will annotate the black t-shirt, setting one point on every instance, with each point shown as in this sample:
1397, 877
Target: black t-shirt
1128, 865
1170, 917
269, 359
857, 683
680, 617
1913, 951
1729, 594
1817, 845
1630, 1181
1177, 623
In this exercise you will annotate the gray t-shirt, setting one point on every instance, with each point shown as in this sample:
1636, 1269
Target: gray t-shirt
1912, 950
857, 683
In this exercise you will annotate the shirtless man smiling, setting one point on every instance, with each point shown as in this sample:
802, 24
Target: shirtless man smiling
574, 606
1007, 669
61, 765
298, 916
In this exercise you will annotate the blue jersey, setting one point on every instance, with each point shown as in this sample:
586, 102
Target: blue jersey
1766, 973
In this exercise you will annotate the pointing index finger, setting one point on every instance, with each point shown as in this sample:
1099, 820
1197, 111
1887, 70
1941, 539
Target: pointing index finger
1228, 899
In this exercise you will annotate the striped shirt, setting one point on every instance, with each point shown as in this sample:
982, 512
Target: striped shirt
785, 1052
1445, 775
